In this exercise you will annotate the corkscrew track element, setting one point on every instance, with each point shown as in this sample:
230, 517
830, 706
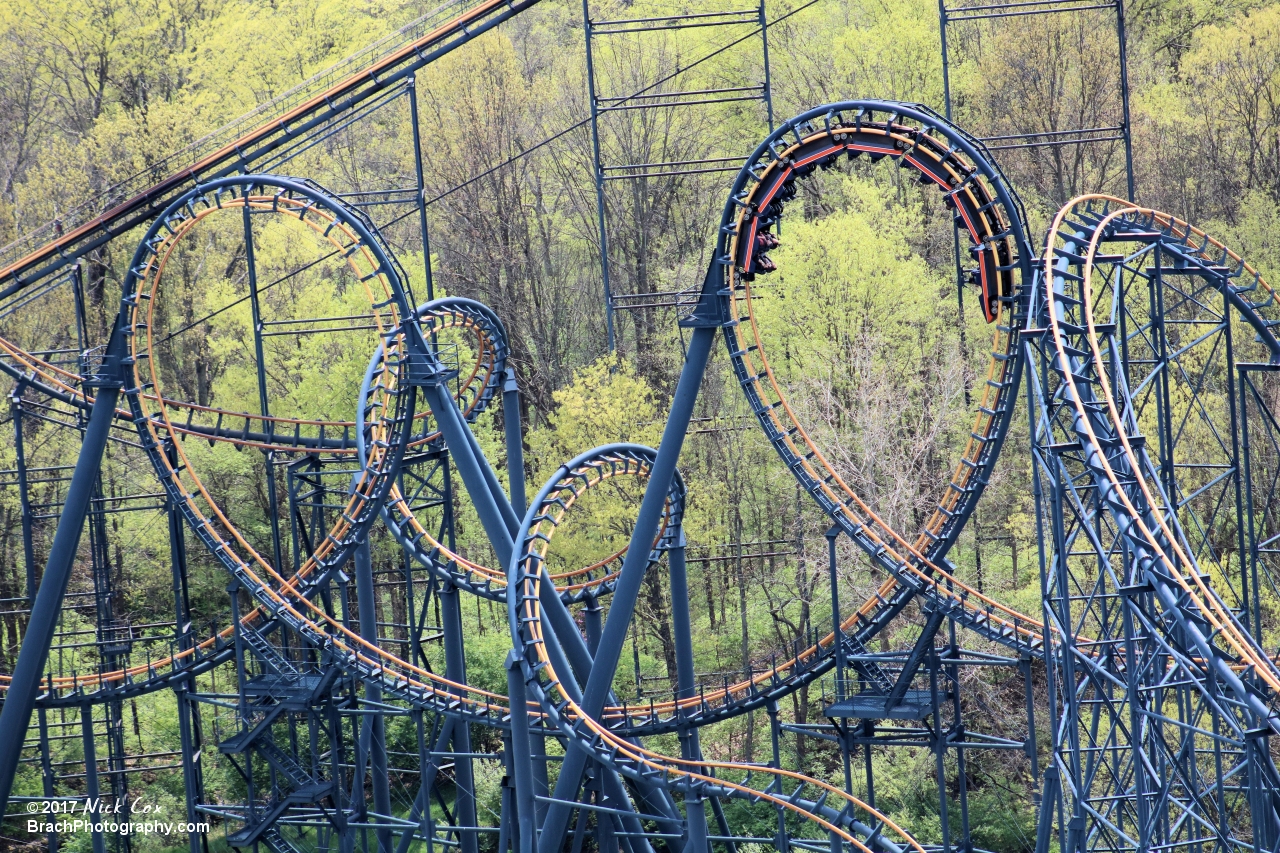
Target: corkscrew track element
849, 821
576, 585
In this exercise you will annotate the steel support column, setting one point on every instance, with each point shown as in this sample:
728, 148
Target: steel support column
24, 687
373, 693
631, 576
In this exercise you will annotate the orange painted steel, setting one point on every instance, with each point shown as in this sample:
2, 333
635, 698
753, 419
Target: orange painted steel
533, 556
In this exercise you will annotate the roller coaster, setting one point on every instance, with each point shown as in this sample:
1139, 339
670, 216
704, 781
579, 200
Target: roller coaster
1148, 666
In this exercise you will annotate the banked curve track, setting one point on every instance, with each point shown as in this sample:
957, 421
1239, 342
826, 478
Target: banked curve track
1104, 263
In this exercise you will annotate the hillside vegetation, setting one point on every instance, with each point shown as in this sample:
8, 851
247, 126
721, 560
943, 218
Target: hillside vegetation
863, 322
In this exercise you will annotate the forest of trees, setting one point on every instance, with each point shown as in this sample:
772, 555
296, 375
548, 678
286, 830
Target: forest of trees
878, 358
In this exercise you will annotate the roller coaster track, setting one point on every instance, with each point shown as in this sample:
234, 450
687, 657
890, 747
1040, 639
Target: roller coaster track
385, 433
1116, 454
397, 677
548, 674
1180, 636
1043, 317
236, 147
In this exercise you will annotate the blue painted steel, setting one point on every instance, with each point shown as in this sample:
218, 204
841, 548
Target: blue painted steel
1163, 635
24, 687
622, 605
515, 441
379, 780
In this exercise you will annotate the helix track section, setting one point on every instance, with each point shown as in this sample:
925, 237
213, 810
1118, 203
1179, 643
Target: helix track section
473, 391
1129, 301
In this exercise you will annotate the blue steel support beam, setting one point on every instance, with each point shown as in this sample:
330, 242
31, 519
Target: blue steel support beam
481, 484
627, 591
455, 669
598, 175
20, 699
192, 779
459, 440
690, 750
260, 368
426, 782
91, 789
521, 756
415, 126
46, 773
24, 494
509, 516
515, 441
592, 621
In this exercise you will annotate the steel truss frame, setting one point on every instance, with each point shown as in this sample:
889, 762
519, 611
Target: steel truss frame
1161, 699
1157, 742
961, 12
739, 25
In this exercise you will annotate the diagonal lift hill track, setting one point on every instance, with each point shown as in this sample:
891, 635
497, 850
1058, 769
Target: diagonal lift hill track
235, 148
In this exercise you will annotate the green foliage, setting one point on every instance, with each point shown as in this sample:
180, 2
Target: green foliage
861, 324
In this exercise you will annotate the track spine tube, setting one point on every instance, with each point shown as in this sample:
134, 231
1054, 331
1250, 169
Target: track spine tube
20, 700
622, 606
